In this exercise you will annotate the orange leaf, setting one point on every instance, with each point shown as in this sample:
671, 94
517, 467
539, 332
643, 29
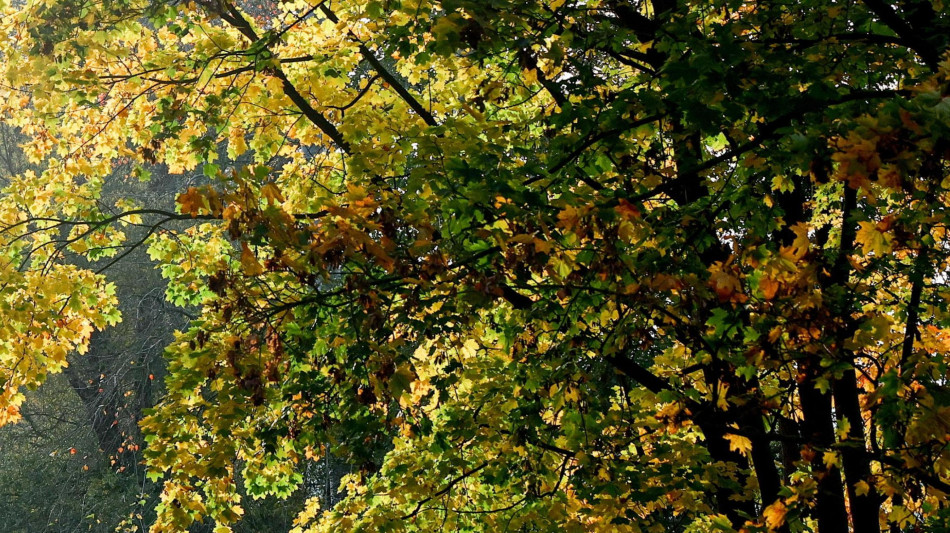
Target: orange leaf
725, 284
191, 202
627, 210
769, 287
775, 515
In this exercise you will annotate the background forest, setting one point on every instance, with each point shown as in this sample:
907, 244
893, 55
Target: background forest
75, 462
475, 265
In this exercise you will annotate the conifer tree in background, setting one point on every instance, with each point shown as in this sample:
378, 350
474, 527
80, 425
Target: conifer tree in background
524, 265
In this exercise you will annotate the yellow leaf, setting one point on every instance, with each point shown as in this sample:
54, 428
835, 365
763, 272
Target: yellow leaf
355, 193
252, 267
873, 240
79, 246
900, 514
738, 443
530, 76
237, 145
542, 246
568, 218
722, 396
830, 459
272, 193
782, 183
800, 245
844, 427
572, 394
861, 488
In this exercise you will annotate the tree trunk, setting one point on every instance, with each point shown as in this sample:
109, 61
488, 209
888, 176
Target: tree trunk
103, 411
819, 433
865, 508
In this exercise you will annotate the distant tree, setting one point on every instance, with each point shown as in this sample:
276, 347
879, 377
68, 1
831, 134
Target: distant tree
76, 463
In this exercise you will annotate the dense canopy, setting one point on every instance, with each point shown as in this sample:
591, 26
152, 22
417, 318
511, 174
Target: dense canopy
525, 265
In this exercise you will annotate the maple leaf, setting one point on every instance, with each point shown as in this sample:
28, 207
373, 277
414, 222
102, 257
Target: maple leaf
768, 286
830, 459
738, 443
800, 245
191, 202
272, 193
627, 210
872, 240
726, 285
861, 488
408, 174
774, 515
249, 262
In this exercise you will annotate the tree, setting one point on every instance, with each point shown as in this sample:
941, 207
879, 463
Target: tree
73, 464
526, 265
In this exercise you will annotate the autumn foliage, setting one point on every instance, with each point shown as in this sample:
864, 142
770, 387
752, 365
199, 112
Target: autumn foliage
526, 265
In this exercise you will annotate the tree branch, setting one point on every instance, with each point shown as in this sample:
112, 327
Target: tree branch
384, 73
232, 16
903, 29
444, 490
